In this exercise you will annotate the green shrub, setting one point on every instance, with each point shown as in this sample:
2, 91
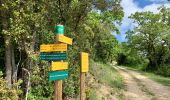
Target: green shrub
164, 70
9, 92
41, 88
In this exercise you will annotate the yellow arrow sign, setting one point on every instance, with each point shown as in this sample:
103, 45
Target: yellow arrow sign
53, 47
59, 66
64, 39
84, 62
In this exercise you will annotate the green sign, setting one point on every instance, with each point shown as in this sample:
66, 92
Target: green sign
58, 75
52, 56
59, 29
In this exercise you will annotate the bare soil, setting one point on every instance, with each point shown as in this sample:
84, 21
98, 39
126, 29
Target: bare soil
139, 87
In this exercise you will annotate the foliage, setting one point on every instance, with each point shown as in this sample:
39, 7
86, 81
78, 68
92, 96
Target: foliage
130, 57
150, 38
92, 32
41, 87
27, 24
164, 70
99, 39
9, 92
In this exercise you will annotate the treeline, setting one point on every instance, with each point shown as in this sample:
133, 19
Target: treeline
25, 24
148, 43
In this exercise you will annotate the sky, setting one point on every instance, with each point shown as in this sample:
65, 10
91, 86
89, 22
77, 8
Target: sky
132, 6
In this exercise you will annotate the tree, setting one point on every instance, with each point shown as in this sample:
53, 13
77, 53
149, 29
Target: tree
149, 36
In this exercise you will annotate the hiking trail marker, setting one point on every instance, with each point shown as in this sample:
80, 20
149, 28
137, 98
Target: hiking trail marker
53, 47
84, 62
64, 39
52, 56
58, 75
59, 66
83, 70
57, 53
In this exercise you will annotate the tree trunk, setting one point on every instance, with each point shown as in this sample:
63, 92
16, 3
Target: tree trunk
8, 61
14, 68
5, 25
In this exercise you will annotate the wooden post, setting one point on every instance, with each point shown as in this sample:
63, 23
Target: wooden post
57, 85
82, 86
84, 69
55, 90
58, 90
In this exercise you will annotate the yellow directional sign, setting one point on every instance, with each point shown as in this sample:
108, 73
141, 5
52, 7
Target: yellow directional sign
84, 62
53, 47
59, 66
64, 39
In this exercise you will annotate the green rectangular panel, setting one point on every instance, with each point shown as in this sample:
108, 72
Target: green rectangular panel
52, 56
58, 75
59, 29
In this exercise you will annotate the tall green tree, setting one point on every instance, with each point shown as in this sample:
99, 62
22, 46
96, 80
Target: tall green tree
150, 36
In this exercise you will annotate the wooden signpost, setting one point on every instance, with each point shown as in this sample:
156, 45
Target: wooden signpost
59, 31
56, 54
58, 71
84, 69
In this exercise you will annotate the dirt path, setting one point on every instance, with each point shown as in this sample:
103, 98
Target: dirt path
133, 91
140, 87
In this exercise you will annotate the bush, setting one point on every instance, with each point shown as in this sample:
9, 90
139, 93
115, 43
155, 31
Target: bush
9, 92
41, 87
164, 70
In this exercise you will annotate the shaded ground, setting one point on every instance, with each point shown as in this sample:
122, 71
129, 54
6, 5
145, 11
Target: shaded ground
140, 87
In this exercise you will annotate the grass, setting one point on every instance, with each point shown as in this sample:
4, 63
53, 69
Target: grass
91, 94
163, 80
105, 74
160, 79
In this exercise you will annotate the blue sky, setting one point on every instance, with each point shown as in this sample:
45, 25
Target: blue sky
132, 6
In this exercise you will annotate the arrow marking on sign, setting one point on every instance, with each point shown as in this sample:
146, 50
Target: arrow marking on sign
64, 39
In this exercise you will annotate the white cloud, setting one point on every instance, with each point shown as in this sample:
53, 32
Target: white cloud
130, 7
158, 1
153, 7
